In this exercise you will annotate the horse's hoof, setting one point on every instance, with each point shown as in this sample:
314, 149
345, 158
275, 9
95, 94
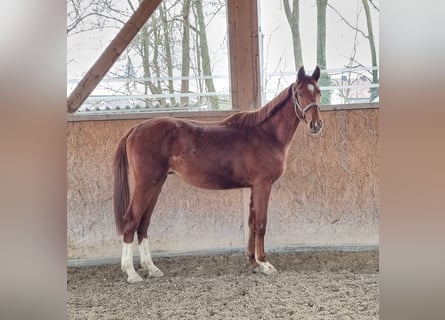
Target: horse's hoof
155, 273
256, 269
134, 278
266, 268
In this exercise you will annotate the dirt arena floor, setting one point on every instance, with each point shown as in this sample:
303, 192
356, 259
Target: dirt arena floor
309, 285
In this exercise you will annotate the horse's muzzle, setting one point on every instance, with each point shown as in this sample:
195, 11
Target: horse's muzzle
315, 127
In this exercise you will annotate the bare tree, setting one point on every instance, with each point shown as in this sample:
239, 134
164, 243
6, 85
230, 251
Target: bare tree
353, 74
321, 48
185, 66
204, 50
375, 77
87, 15
369, 36
167, 45
163, 48
293, 18
145, 53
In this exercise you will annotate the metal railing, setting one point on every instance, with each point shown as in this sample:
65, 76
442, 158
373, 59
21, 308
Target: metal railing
128, 94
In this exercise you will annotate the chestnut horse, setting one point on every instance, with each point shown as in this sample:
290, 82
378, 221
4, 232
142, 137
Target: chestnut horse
245, 150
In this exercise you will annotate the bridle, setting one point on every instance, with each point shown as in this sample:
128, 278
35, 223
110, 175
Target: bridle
298, 106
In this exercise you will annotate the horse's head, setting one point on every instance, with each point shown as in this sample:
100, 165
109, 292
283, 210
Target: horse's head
306, 99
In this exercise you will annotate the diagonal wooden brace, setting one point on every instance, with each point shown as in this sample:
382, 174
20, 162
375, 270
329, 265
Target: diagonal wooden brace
111, 54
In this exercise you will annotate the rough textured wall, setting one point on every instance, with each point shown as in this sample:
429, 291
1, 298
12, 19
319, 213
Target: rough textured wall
328, 195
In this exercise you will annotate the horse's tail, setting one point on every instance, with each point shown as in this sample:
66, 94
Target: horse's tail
121, 190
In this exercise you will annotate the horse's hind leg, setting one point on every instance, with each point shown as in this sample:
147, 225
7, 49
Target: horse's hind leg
144, 248
127, 264
132, 218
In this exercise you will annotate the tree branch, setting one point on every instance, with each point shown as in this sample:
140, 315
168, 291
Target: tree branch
131, 5
287, 10
374, 5
345, 21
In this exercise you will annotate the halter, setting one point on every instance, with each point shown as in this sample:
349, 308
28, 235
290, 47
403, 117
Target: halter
302, 110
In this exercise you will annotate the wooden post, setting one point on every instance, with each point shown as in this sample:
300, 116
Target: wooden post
244, 68
111, 54
244, 54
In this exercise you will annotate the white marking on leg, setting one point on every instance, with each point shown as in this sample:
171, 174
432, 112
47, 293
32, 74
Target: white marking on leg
311, 88
146, 261
264, 267
127, 264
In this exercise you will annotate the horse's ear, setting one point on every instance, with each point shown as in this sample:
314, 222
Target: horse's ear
301, 74
316, 73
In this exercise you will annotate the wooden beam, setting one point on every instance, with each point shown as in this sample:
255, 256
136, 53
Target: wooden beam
244, 66
111, 54
244, 54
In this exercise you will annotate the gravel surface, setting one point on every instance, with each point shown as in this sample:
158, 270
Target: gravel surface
308, 285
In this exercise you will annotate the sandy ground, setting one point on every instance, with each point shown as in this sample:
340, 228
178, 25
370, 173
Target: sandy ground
309, 285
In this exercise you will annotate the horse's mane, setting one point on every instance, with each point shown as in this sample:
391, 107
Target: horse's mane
256, 117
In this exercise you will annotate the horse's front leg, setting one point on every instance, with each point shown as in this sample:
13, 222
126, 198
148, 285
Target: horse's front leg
260, 196
251, 241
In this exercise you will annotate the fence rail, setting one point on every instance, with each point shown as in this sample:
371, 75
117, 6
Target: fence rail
127, 94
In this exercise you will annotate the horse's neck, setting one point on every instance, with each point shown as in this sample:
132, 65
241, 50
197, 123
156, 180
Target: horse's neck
283, 124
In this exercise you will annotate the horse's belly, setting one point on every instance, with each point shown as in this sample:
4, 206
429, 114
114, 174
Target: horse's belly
207, 176
206, 180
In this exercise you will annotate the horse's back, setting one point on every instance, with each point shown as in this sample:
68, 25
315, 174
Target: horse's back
167, 136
